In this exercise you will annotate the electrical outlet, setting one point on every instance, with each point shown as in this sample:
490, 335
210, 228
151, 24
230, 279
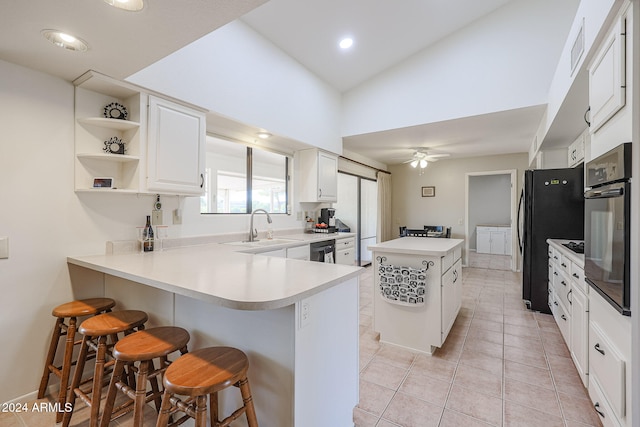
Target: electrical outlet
305, 313
177, 216
299, 216
156, 217
460, 221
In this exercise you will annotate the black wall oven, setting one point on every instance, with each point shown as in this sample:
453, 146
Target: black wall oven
607, 226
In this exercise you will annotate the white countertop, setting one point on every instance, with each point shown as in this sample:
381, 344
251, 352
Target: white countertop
222, 274
574, 257
429, 246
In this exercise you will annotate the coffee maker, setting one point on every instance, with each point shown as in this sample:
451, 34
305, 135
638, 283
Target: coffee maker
327, 216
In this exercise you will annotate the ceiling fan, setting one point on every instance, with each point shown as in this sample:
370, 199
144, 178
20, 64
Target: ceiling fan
422, 157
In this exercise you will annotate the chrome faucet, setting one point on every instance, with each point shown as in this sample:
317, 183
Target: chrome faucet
253, 232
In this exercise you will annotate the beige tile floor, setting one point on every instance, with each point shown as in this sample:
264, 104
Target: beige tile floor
501, 365
492, 262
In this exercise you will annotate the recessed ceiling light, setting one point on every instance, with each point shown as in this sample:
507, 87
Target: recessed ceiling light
65, 40
264, 135
130, 5
346, 43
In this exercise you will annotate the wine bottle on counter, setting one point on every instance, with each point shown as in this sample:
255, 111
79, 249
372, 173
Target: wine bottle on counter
148, 236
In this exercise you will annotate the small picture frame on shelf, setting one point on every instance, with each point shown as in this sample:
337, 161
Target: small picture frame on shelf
115, 110
103, 182
428, 191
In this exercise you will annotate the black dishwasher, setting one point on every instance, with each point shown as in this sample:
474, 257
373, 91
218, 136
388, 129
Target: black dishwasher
324, 251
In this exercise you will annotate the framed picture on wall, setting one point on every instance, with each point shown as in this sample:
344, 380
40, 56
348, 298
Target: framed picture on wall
428, 191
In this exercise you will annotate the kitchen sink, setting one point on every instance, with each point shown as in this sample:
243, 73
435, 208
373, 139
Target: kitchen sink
262, 242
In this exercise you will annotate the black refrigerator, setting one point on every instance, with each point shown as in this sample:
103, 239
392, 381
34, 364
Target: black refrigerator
551, 207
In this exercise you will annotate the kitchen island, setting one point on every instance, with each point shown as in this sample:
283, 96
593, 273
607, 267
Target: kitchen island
296, 320
417, 291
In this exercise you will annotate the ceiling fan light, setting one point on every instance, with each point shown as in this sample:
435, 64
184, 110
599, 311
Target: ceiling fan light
414, 164
423, 163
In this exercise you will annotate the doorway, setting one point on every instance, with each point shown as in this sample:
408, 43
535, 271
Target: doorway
490, 220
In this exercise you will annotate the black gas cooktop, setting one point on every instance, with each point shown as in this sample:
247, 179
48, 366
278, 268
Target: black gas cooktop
575, 247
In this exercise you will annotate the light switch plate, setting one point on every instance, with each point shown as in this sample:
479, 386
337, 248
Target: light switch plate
4, 247
156, 217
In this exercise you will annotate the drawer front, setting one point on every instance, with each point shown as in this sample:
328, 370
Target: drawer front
447, 261
562, 285
345, 243
346, 256
552, 301
563, 320
577, 277
564, 264
600, 404
606, 364
457, 253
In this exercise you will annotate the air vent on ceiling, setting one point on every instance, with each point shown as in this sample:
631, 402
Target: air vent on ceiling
578, 48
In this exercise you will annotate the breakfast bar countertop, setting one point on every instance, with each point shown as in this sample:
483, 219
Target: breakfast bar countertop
220, 274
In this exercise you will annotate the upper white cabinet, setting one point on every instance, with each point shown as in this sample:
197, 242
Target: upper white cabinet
317, 176
607, 77
575, 152
163, 140
176, 148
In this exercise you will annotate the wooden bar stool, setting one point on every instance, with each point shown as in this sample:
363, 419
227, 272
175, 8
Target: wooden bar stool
142, 347
205, 372
98, 328
71, 310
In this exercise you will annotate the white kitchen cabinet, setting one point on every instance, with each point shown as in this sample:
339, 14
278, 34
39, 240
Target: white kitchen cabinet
579, 344
575, 152
493, 240
607, 77
451, 296
176, 158
317, 176
346, 251
569, 303
163, 140
299, 252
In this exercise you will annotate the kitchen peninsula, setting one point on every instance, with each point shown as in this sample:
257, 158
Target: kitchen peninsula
417, 291
296, 320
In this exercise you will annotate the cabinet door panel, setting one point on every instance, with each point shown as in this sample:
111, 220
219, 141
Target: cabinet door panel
607, 78
176, 148
580, 333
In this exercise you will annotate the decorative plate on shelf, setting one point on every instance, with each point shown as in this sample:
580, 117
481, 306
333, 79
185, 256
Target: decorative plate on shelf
115, 111
114, 146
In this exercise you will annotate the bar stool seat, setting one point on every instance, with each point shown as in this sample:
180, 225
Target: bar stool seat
70, 310
143, 347
99, 328
205, 372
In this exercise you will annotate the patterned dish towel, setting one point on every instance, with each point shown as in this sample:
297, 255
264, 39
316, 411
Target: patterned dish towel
402, 285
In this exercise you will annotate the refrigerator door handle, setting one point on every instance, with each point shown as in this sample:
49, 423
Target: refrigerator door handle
520, 237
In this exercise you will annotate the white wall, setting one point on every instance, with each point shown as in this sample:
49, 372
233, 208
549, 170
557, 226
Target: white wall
489, 202
448, 176
491, 65
245, 77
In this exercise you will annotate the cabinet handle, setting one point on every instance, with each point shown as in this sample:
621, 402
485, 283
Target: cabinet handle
597, 408
555, 273
569, 299
319, 192
555, 257
598, 349
563, 317
201, 180
563, 283
585, 116
555, 303
564, 265
575, 275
